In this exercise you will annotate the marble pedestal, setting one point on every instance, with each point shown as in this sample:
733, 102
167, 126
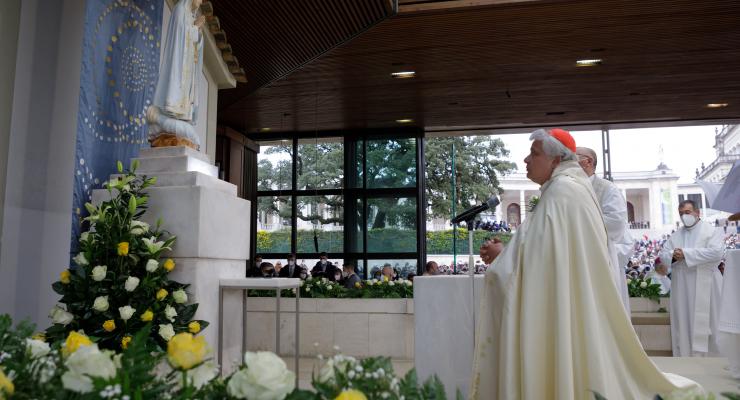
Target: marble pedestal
444, 308
211, 224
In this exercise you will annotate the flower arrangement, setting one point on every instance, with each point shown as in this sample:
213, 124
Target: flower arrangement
322, 288
532, 204
643, 287
120, 282
77, 368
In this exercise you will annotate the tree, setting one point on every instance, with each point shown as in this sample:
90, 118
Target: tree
478, 163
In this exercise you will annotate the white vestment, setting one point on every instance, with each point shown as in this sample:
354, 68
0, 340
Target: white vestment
614, 208
176, 97
551, 323
696, 289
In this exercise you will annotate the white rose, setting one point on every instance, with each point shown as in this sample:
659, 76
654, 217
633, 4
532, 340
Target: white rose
98, 273
409, 283
390, 283
152, 265
126, 312
629, 281
170, 313
166, 332
131, 283
643, 284
36, 348
59, 316
341, 363
180, 296
328, 287
265, 378
101, 303
86, 362
84, 236
138, 228
202, 374
80, 260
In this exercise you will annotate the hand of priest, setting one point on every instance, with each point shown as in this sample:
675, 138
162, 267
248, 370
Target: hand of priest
490, 249
200, 21
678, 254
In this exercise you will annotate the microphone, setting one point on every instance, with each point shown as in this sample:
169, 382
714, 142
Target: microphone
491, 203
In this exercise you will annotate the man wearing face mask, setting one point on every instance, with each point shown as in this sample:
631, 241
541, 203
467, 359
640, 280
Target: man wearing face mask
324, 269
694, 252
290, 270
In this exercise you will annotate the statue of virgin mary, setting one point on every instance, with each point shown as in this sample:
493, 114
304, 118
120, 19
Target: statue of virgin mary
172, 117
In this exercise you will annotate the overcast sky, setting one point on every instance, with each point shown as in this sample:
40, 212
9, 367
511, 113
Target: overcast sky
684, 148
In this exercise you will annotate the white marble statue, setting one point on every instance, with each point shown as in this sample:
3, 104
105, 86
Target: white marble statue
172, 117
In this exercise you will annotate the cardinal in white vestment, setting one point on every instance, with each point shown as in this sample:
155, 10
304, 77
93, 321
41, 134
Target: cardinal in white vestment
614, 209
694, 251
551, 323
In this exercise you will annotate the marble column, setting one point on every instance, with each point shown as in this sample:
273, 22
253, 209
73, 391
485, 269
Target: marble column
522, 207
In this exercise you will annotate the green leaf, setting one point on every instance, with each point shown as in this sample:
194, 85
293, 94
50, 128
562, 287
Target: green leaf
134, 164
119, 166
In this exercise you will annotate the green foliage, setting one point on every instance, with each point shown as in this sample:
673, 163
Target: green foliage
478, 164
386, 239
124, 245
321, 288
643, 288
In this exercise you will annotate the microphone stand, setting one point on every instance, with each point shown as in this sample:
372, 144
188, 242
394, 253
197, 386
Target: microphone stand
470, 223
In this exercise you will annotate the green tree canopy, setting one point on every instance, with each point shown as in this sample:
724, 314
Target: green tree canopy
478, 164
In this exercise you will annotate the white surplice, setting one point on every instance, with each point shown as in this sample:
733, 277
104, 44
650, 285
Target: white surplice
614, 209
696, 288
551, 323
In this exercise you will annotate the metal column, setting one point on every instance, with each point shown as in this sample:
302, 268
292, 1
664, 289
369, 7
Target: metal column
606, 159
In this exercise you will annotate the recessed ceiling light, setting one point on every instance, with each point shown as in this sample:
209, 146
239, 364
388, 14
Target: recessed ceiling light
265, 129
588, 62
717, 105
404, 121
403, 74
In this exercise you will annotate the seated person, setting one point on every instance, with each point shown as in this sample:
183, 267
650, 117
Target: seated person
431, 268
411, 276
350, 279
278, 267
324, 269
267, 270
291, 270
660, 275
387, 273
254, 269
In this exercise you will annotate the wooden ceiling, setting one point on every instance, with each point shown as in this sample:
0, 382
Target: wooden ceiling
500, 64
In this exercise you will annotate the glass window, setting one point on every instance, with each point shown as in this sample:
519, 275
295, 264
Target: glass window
391, 163
320, 163
275, 165
320, 224
391, 224
273, 224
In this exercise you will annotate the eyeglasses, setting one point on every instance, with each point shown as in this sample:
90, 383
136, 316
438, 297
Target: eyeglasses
584, 158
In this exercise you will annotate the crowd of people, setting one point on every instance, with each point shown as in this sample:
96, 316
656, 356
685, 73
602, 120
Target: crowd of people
493, 226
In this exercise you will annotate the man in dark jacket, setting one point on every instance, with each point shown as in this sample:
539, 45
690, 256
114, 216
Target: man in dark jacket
324, 269
291, 270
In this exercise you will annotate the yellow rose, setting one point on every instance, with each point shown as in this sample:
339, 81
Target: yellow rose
125, 341
194, 327
169, 265
385, 278
147, 316
109, 325
351, 394
184, 351
358, 285
123, 249
6, 385
161, 294
64, 276
75, 341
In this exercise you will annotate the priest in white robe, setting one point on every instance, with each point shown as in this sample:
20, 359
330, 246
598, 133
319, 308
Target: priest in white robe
614, 209
694, 251
551, 324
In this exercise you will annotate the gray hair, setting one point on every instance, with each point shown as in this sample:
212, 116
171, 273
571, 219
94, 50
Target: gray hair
591, 153
552, 146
